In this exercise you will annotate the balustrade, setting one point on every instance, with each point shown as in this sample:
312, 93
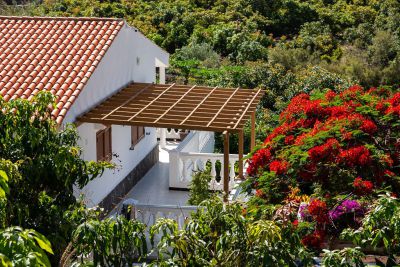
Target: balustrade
183, 164
170, 134
195, 154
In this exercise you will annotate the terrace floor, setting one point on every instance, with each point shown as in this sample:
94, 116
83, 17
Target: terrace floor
153, 188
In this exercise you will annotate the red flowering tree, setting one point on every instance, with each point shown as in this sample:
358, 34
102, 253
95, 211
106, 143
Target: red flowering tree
331, 147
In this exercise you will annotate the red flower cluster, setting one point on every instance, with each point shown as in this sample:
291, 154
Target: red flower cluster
362, 187
320, 137
314, 240
368, 126
325, 151
259, 159
289, 140
389, 173
392, 106
279, 167
355, 156
319, 211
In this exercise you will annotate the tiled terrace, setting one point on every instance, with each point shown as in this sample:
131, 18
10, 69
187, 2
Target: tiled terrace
153, 188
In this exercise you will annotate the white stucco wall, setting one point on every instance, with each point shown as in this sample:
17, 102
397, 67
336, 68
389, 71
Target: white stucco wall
131, 57
126, 160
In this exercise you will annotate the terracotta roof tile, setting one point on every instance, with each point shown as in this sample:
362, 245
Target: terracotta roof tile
55, 54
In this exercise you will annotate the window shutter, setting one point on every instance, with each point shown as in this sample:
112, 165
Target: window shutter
140, 132
134, 135
100, 145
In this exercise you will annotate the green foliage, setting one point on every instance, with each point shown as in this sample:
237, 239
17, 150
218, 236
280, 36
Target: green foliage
19, 247
49, 165
110, 242
342, 36
199, 188
219, 235
347, 257
201, 52
380, 227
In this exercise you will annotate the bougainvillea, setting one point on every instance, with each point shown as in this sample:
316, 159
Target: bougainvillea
339, 149
351, 207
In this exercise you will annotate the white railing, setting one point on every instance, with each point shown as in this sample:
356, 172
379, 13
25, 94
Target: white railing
149, 214
193, 154
183, 164
171, 134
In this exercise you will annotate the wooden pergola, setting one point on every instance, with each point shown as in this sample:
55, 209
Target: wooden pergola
215, 109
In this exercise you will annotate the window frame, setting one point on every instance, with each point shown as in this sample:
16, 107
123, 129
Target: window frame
140, 136
105, 155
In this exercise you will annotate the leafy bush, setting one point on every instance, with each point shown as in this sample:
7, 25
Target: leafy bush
329, 156
219, 235
19, 247
380, 228
49, 165
199, 188
110, 242
347, 257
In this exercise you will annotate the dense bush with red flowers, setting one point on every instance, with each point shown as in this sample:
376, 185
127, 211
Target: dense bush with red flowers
338, 149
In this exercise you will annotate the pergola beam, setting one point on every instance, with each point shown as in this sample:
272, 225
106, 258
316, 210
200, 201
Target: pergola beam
127, 101
177, 106
222, 107
154, 100
241, 147
176, 103
226, 165
253, 130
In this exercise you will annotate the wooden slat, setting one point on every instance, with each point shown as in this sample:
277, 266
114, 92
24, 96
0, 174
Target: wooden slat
154, 100
198, 105
176, 103
247, 108
222, 107
127, 101
177, 106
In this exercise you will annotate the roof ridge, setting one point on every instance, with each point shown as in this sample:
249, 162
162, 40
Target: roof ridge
61, 18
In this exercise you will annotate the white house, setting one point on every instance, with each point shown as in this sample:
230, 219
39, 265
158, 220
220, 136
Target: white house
103, 74
84, 61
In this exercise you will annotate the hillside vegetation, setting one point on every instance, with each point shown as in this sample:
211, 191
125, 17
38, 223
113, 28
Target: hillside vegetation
230, 42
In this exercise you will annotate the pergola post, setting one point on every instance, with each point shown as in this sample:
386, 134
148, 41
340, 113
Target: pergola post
241, 154
163, 137
226, 165
163, 131
162, 75
253, 130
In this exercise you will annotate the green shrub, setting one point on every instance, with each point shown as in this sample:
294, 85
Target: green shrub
199, 188
219, 235
110, 242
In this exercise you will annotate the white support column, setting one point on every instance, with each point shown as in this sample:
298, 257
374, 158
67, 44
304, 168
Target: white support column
162, 75
163, 137
163, 131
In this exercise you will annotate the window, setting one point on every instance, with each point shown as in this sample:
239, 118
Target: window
137, 133
103, 144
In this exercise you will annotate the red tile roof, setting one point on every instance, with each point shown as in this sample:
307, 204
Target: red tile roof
55, 54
